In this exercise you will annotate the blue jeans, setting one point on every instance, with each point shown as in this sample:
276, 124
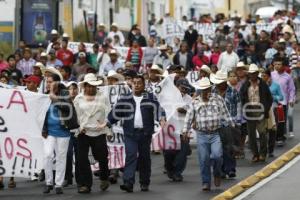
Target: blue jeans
209, 154
137, 148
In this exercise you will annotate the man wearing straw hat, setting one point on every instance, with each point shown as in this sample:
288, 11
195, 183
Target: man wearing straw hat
208, 111
233, 104
92, 108
256, 100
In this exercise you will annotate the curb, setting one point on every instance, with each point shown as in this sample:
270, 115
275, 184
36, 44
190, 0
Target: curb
265, 172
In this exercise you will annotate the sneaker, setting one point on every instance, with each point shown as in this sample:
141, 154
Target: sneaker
84, 190
47, 189
58, 190
231, 174
271, 155
104, 185
205, 187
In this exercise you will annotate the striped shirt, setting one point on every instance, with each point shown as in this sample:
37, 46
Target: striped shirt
209, 116
26, 66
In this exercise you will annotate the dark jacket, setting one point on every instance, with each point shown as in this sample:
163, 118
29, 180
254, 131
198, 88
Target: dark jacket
189, 61
190, 38
264, 95
124, 110
67, 112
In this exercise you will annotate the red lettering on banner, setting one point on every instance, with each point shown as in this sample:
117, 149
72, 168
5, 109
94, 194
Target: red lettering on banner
8, 141
21, 143
162, 133
115, 155
17, 101
122, 159
170, 131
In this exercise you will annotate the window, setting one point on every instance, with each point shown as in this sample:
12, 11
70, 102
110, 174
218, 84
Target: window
162, 10
117, 6
80, 3
152, 7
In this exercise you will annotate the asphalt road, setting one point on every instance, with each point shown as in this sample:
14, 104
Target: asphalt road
161, 188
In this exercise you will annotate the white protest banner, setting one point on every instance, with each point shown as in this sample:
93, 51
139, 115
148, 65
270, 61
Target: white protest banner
192, 77
22, 115
169, 97
176, 28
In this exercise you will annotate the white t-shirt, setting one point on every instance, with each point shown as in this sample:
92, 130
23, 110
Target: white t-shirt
138, 122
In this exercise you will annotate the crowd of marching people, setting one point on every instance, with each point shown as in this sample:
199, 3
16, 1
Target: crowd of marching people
245, 94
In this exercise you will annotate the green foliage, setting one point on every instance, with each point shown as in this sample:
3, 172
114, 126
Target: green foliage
79, 33
6, 48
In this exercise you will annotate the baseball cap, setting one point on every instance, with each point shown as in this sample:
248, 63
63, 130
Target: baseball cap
33, 78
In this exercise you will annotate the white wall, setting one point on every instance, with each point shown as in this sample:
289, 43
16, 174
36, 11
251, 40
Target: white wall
122, 18
7, 10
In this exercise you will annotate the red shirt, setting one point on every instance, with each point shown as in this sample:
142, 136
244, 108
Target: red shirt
200, 61
66, 56
214, 58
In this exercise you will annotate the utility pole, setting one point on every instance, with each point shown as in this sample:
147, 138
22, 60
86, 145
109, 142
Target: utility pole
111, 12
287, 4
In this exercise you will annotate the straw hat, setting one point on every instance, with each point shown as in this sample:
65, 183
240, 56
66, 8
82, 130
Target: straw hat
53, 70
204, 83
241, 64
91, 79
206, 69
220, 77
114, 74
157, 68
253, 68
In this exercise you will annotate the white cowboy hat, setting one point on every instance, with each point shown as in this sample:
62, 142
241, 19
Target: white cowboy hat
54, 32
114, 74
157, 68
40, 65
52, 70
204, 83
44, 54
206, 69
68, 84
220, 77
65, 35
240, 64
163, 47
281, 40
114, 24
91, 79
253, 68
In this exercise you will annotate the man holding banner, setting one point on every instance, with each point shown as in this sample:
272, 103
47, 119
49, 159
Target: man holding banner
92, 107
137, 111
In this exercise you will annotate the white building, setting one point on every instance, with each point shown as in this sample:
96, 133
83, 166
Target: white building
121, 11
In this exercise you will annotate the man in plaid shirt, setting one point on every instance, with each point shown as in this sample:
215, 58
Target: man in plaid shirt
208, 112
